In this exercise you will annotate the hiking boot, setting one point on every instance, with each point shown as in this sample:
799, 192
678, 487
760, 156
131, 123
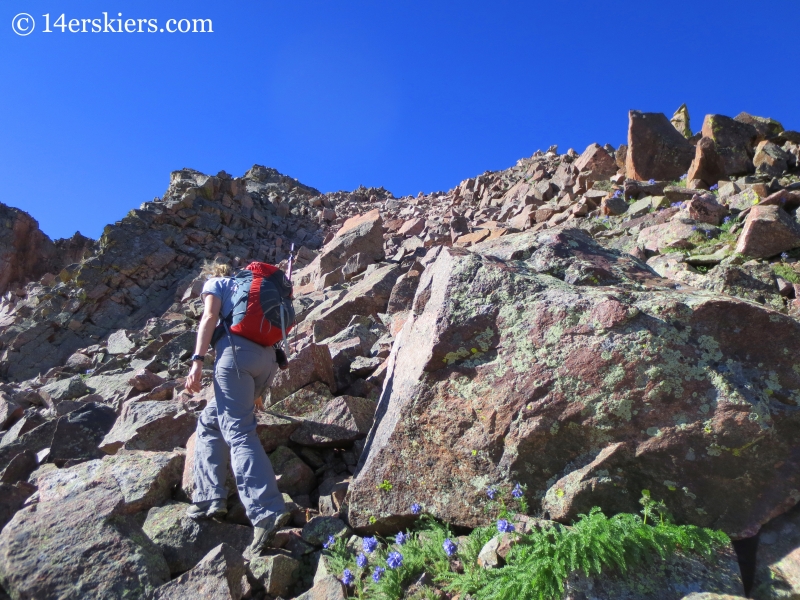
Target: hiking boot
265, 530
208, 509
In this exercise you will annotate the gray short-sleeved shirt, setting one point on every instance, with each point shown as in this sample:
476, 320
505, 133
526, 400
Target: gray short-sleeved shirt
223, 288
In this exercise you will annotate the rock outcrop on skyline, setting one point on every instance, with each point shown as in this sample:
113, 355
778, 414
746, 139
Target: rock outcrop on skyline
580, 327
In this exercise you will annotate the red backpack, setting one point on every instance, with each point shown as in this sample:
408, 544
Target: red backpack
262, 304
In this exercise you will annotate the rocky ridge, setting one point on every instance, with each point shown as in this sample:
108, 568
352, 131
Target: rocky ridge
587, 325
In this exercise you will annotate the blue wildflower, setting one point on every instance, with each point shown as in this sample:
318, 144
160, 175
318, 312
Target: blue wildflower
504, 526
517, 491
361, 560
652, 181
784, 255
394, 560
331, 541
449, 547
376, 574
491, 492
683, 176
617, 194
714, 187
416, 508
401, 538
726, 220
677, 205
347, 577
369, 545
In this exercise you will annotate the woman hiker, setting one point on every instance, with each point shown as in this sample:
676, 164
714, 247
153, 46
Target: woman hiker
242, 370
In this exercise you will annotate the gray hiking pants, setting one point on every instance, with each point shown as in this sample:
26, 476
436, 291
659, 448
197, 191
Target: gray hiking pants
229, 423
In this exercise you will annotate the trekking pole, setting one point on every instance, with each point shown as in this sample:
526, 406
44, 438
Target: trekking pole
291, 263
289, 276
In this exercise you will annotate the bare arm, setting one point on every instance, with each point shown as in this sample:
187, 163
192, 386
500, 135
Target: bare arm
208, 323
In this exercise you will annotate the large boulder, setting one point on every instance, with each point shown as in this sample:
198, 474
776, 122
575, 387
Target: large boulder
142, 479
221, 575
185, 541
150, 425
79, 433
362, 234
339, 423
655, 148
597, 162
312, 364
726, 149
368, 297
83, 546
529, 356
768, 231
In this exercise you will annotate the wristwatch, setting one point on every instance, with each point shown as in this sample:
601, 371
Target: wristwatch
200, 357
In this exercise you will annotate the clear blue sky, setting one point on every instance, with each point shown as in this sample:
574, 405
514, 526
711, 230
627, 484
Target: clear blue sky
411, 95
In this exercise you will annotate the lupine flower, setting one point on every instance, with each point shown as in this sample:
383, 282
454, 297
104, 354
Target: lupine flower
517, 491
361, 561
401, 538
784, 255
491, 492
369, 545
331, 541
709, 234
677, 205
617, 194
726, 220
449, 547
376, 574
416, 508
394, 560
684, 176
347, 577
714, 187
504, 526
652, 181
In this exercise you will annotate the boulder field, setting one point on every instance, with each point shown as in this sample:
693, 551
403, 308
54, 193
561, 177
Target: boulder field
580, 330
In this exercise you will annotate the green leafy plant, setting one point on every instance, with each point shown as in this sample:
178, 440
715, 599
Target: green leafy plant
538, 563
385, 486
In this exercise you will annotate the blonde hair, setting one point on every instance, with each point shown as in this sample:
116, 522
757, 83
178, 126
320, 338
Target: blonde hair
215, 269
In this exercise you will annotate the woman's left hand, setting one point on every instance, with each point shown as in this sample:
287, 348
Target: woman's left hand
259, 401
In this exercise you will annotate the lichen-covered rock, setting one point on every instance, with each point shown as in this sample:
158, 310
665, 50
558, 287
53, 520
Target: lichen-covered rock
678, 575
150, 425
220, 575
527, 357
82, 546
276, 573
319, 529
66, 389
185, 541
142, 479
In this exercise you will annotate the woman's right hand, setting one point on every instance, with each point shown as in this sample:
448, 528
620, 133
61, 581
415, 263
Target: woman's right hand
194, 377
